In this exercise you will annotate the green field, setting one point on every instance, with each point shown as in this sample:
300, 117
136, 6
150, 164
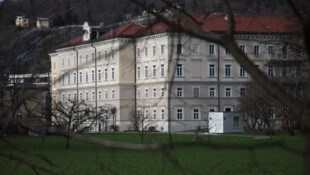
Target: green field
227, 154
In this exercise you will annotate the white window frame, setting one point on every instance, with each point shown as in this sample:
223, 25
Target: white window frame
179, 91
227, 70
193, 91
242, 72
211, 49
228, 91
212, 70
162, 70
113, 94
154, 70
210, 91
196, 115
179, 69
146, 93
179, 113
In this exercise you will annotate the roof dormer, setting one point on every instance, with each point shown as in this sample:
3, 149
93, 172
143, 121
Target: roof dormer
86, 32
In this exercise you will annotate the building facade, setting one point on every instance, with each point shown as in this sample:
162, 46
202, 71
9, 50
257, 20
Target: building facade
170, 77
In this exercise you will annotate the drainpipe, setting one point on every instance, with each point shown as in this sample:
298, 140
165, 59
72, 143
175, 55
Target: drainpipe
218, 79
77, 75
135, 76
96, 88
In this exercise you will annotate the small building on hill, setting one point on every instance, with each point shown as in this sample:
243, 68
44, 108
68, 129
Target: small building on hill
42, 23
22, 21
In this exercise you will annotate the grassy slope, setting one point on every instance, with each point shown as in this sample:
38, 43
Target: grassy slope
225, 155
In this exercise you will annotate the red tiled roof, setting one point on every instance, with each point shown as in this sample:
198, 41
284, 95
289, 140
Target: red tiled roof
253, 24
71, 42
211, 22
130, 29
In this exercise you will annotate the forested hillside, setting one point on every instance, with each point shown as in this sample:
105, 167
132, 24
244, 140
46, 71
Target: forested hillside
31, 46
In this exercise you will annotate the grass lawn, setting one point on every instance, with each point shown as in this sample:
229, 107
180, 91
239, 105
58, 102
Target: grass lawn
227, 154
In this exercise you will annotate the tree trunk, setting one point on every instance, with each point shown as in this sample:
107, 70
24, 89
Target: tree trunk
67, 142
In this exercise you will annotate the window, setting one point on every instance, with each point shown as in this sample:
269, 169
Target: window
68, 78
146, 113
211, 70
106, 94
63, 97
236, 122
81, 77
146, 71
227, 70
86, 76
86, 58
138, 93
86, 96
227, 52
112, 53
81, 59
154, 114
256, 50
242, 48
179, 113
146, 93
69, 96
138, 52
270, 71
92, 75
145, 51
138, 72
62, 62
154, 50
154, 71
92, 56
196, 113
270, 50
93, 95
242, 92
227, 109
179, 70
162, 49
196, 92
112, 73
227, 92
211, 91
99, 95
74, 77
284, 52
63, 79
99, 55
179, 48
179, 91
242, 72
105, 74
112, 93
105, 55
154, 93
99, 75
195, 49
211, 49
162, 70
162, 113
162, 93
81, 96
68, 61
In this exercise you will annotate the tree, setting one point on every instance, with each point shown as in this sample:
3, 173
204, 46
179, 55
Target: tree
257, 107
71, 117
139, 122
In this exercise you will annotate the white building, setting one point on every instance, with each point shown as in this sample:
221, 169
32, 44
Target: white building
172, 78
43, 23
